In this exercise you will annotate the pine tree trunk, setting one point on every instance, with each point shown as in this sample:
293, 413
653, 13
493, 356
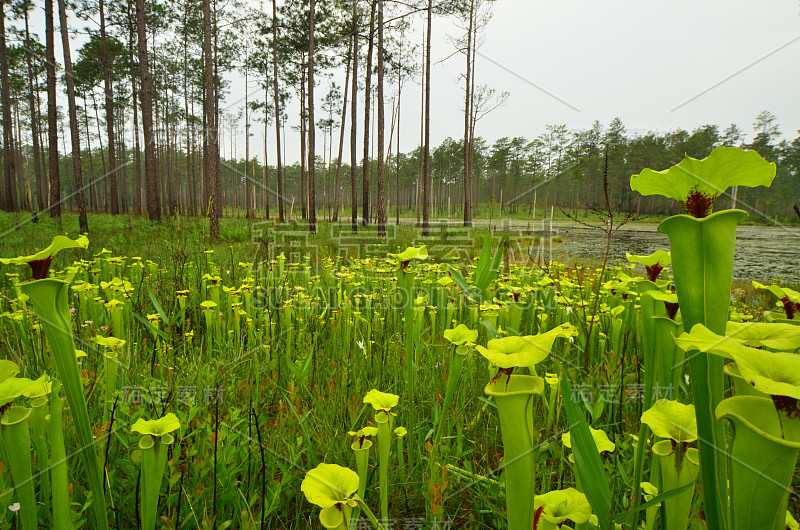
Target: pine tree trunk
42, 150
381, 132
312, 178
135, 97
266, 126
303, 141
335, 213
151, 178
399, 94
94, 204
8, 125
354, 124
212, 139
52, 114
248, 195
109, 92
37, 169
426, 177
418, 183
281, 216
367, 95
467, 115
191, 193
73, 120
215, 160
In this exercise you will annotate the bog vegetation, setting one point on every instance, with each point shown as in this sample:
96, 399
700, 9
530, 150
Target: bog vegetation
405, 390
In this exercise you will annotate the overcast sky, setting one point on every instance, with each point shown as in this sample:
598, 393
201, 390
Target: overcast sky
655, 65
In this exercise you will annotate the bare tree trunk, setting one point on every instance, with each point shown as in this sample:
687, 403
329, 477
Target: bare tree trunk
190, 180
328, 200
281, 217
91, 155
266, 170
169, 169
335, 213
417, 194
197, 193
266, 126
312, 186
94, 203
381, 131
137, 161
8, 126
23, 187
73, 120
367, 95
215, 154
109, 92
40, 140
353, 124
399, 94
426, 177
212, 139
303, 140
52, 116
151, 178
123, 172
467, 115
248, 191
472, 120
37, 169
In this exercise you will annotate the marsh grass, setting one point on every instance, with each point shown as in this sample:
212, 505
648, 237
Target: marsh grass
321, 330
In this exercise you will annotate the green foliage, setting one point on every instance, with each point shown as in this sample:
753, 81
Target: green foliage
295, 343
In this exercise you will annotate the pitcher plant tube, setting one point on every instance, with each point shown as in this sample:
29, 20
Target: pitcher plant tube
16, 440
514, 397
766, 430
405, 289
49, 299
676, 425
362, 443
383, 403
702, 245
333, 488
463, 340
154, 446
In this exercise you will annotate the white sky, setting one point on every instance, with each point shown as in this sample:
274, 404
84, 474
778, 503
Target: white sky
655, 65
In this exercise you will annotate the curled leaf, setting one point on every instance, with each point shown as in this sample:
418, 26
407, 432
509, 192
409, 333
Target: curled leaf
526, 351
40, 261
601, 440
561, 506
159, 427
381, 401
695, 184
328, 485
460, 335
672, 419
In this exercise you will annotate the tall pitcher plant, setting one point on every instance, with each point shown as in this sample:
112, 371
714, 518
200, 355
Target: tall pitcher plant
514, 397
405, 289
49, 298
766, 427
702, 245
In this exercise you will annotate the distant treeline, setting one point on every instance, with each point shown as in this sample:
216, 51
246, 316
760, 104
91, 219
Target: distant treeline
513, 176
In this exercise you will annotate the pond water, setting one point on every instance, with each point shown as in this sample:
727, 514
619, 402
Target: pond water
763, 253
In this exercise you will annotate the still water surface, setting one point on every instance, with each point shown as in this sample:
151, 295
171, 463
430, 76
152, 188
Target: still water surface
763, 253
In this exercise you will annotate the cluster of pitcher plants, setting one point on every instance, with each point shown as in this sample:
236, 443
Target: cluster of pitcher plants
406, 392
